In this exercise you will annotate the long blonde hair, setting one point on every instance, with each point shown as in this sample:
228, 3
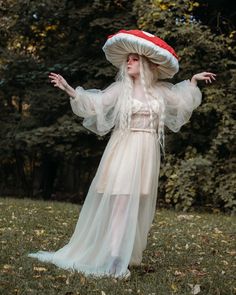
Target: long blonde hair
149, 78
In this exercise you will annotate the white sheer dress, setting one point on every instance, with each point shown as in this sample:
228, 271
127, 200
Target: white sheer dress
112, 229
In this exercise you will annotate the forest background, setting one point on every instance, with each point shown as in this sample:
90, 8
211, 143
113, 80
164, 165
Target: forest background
46, 153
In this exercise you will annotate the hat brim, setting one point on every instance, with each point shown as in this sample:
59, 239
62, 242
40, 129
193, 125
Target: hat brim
120, 45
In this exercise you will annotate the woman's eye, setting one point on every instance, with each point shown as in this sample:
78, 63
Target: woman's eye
132, 59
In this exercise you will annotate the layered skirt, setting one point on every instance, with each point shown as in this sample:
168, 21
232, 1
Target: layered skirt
112, 228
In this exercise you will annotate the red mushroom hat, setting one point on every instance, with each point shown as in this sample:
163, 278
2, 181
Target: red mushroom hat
119, 45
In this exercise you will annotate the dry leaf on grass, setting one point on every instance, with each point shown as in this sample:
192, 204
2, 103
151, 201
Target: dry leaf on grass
40, 268
174, 287
195, 289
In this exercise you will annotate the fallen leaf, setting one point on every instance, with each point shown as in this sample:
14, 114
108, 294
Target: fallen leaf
223, 241
185, 217
179, 273
158, 253
40, 268
7, 266
232, 253
198, 273
225, 262
217, 231
195, 289
39, 231
82, 280
60, 277
174, 287
68, 281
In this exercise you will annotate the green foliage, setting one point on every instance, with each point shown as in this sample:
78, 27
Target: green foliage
200, 167
38, 128
194, 181
38, 37
186, 184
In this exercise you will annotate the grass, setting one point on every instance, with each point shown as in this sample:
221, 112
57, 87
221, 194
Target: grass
187, 253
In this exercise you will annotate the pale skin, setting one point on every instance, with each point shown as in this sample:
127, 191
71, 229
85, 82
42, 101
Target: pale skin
133, 69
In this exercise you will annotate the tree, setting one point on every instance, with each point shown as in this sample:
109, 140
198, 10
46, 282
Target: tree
200, 167
38, 127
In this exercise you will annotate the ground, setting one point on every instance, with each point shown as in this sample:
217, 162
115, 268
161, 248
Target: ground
187, 253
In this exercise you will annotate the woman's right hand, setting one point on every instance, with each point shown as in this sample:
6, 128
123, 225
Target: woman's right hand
61, 83
58, 81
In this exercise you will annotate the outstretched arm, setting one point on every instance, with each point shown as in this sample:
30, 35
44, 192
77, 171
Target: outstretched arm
206, 76
61, 83
97, 107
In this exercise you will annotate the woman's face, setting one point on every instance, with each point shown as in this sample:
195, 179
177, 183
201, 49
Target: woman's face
133, 65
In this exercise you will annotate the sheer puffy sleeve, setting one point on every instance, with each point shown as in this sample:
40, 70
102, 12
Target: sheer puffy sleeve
180, 100
97, 107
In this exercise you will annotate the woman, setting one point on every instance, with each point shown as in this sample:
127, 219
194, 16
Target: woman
112, 229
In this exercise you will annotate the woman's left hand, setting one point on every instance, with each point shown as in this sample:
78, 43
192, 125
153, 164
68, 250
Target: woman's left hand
208, 77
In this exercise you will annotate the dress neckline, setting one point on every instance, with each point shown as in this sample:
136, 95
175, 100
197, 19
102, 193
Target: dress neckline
142, 102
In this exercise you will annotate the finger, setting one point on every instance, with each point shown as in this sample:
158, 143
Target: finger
53, 74
210, 74
208, 80
210, 77
52, 77
60, 78
53, 81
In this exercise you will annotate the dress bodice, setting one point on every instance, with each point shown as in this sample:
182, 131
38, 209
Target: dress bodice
138, 105
144, 115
